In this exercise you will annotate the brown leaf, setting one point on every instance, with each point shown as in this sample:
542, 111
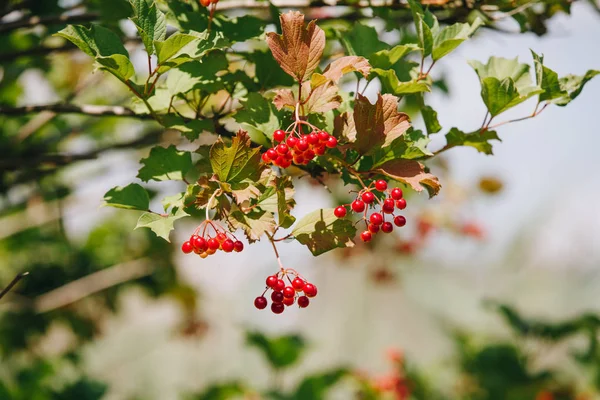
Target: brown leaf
299, 50
369, 123
395, 123
345, 65
343, 127
323, 98
412, 173
284, 98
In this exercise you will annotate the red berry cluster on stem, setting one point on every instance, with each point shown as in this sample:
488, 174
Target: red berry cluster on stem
296, 147
298, 291
206, 243
376, 221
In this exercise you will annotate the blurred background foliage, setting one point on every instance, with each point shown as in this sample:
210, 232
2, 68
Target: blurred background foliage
48, 162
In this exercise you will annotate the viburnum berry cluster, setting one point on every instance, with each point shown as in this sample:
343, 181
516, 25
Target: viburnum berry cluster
376, 222
283, 295
208, 243
297, 147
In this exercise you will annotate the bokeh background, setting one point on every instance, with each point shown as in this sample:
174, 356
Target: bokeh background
160, 326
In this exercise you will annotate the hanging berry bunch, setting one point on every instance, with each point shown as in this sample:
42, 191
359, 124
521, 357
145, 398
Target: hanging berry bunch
296, 147
387, 206
298, 291
209, 237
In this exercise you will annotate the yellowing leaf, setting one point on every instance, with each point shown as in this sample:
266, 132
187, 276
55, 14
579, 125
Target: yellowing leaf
322, 231
284, 98
299, 49
237, 162
159, 224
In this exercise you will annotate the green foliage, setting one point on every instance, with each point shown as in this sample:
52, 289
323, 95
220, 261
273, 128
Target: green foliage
131, 197
280, 352
322, 231
160, 224
165, 164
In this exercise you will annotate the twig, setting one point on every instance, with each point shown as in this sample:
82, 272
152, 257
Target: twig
13, 283
30, 22
272, 241
534, 114
86, 109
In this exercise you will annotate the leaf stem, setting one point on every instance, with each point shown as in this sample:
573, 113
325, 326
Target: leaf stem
13, 283
210, 201
272, 241
535, 113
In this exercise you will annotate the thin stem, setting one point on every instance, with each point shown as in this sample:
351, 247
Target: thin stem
149, 65
13, 283
210, 202
534, 114
487, 113
272, 241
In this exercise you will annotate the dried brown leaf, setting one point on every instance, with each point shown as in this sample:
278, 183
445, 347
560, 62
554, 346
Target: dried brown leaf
299, 49
345, 65
412, 173
395, 123
284, 98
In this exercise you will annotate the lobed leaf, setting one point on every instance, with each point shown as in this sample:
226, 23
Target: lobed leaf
345, 65
159, 224
235, 163
130, 197
479, 140
95, 41
118, 65
173, 45
391, 84
300, 47
431, 120
450, 37
412, 173
322, 231
165, 164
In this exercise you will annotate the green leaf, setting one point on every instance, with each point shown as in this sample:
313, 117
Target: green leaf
191, 129
254, 223
130, 197
412, 173
165, 164
479, 140
430, 119
573, 85
96, 41
362, 40
385, 59
285, 200
281, 351
267, 71
173, 45
159, 224
150, 23
118, 65
259, 115
198, 75
316, 386
391, 84
450, 37
223, 391
322, 231
237, 162
504, 83
425, 36
411, 145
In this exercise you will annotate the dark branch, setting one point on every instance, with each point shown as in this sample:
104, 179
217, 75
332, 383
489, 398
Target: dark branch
13, 283
86, 109
29, 22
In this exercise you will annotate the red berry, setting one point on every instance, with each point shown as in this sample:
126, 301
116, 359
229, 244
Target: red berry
401, 204
289, 155
272, 281
205, 3
396, 193
368, 197
277, 297
285, 163
400, 220
310, 290
381, 185
358, 206
288, 301
309, 155
213, 244
187, 247
366, 236
320, 150
340, 212
279, 286
323, 136
282, 148
388, 206
272, 153
279, 160
265, 158
313, 138
302, 145
228, 246
292, 141
376, 219
289, 291
277, 308
221, 237
331, 142
279, 135
387, 227
298, 284
299, 160
373, 228
303, 301
199, 243
260, 302
238, 246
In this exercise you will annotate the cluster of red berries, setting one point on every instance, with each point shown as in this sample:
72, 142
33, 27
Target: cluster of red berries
296, 148
376, 221
206, 245
282, 295
206, 3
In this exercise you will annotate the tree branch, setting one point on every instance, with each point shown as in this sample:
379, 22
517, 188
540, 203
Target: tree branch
13, 283
29, 22
303, 4
86, 109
